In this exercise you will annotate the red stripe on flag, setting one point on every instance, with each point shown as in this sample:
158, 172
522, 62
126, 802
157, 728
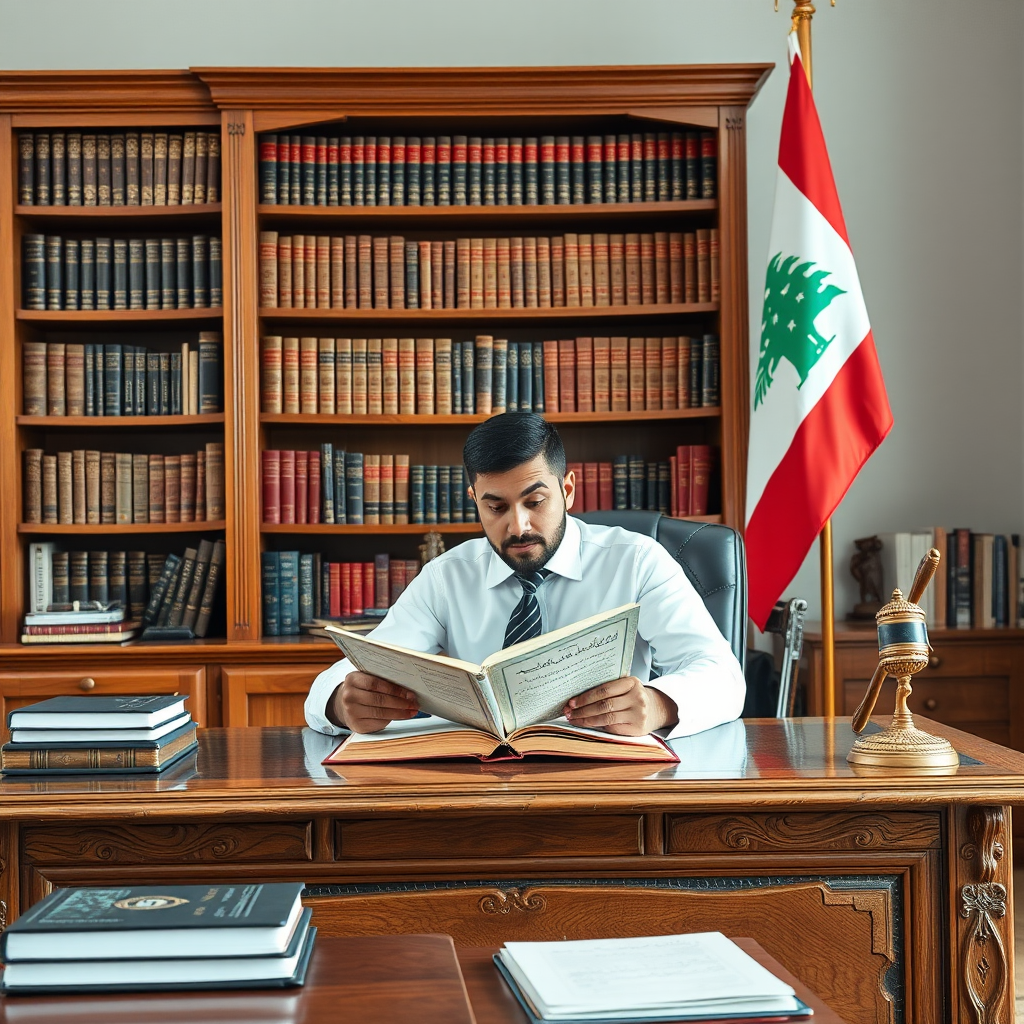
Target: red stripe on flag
802, 153
831, 445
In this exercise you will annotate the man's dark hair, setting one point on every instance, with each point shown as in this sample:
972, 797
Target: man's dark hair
506, 441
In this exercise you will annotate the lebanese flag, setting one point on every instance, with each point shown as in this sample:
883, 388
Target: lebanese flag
819, 407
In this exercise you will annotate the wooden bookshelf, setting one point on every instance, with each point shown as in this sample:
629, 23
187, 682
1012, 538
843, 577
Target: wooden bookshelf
247, 102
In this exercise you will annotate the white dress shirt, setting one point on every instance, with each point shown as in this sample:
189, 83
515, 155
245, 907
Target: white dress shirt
460, 604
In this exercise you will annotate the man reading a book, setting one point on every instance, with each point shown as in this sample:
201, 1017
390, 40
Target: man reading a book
537, 569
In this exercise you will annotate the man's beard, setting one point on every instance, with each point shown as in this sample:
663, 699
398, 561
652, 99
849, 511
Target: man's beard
518, 564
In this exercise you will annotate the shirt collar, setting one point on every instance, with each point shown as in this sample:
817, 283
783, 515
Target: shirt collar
566, 561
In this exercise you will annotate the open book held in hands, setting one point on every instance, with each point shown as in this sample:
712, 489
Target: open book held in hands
503, 708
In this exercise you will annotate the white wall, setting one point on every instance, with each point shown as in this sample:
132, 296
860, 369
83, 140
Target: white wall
922, 102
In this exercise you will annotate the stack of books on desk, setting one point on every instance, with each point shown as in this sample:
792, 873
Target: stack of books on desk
152, 938
91, 623
702, 976
103, 735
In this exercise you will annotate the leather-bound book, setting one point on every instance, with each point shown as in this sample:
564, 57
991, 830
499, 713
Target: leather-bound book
26, 169
65, 512
203, 558
689, 267
174, 154
531, 273
160, 146
270, 475
714, 268
138, 585
652, 374
476, 273
661, 267
499, 375
58, 169
308, 373
594, 191
566, 375
188, 169
463, 273
381, 278
182, 587
550, 375
710, 392
32, 502
602, 374
558, 276
310, 293
326, 376
669, 373
108, 487
117, 170
708, 166
703, 265
397, 171
314, 487
388, 354
371, 489
360, 382
369, 171
374, 377
50, 499
158, 589
442, 376
488, 179
424, 349
468, 377
584, 374
200, 272
146, 180
268, 168
34, 393
517, 271
103, 170
586, 269
269, 254
172, 488
285, 274
140, 488
157, 489
437, 274
200, 488
354, 487
343, 376
637, 375
490, 254
428, 172
202, 158
647, 269
78, 512
411, 265
132, 179
136, 273
42, 169
73, 166
213, 167
215, 480
125, 483
287, 486
407, 371
33, 269
54, 272
90, 196
572, 270
336, 271
302, 487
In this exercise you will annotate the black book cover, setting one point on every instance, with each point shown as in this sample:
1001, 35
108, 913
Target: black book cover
120, 273
270, 578
165, 383
637, 476
209, 376
159, 590
164, 614
140, 380
43, 169
58, 169
100, 704
184, 584
72, 283
132, 181
104, 276
33, 269
54, 272
90, 381
26, 168
112, 363
117, 177
154, 284
128, 381
176, 384
99, 383
136, 273
74, 169
87, 272
195, 594
183, 258
216, 273
168, 274
200, 272
210, 589
152, 383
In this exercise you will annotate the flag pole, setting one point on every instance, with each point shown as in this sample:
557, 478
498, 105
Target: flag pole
803, 12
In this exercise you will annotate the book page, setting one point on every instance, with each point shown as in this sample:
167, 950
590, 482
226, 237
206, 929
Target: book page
644, 976
532, 681
443, 686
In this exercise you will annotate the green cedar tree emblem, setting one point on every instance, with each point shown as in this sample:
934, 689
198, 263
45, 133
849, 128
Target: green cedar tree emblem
793, 298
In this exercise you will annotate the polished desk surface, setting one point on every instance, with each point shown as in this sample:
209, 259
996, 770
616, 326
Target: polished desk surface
371, 979
754, 760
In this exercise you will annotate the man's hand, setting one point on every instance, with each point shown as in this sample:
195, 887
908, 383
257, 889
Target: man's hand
625, 707
365, 703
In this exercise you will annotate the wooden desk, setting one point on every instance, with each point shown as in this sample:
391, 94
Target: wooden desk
888, 896
384, 979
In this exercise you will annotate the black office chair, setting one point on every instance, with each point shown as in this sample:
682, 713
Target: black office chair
710, 554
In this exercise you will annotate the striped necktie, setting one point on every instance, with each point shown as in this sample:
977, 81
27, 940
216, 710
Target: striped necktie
525, 621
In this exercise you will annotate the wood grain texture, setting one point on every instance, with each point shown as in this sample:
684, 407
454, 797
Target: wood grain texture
267, 694
131, 97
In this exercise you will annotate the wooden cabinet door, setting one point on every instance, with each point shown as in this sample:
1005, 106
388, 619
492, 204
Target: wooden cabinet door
267, 694
20, 688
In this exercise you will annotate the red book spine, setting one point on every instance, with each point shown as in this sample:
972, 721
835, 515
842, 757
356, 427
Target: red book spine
591, 501
381, 580
334, 596
356, 605
346, 588
605, 499
302, 487
313, 500
584, 374
271, 486
369, 584
683, 457
288, 486
551, 376
396, 580
567, 376
701, 464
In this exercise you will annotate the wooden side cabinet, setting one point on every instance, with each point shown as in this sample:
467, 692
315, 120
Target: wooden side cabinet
267, 694
974, 681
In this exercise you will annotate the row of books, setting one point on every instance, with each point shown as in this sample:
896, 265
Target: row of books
69, 379
353, 488
162, 589
485, 375
529, 272
68, 736
85, 486
122, 273
980, 582
127, 168
298, 589
461, 170
137, 939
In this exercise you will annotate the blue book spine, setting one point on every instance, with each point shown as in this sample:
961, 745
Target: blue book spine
501, 172
664, 167
430, 494
547, 170
489, 178
622, 167
499, 374
87, 273
1000, 569
526, 376
370, 171
339, 171
288, 607
538, 377
416, 497
515, 172
308, 151
54, 272
33, 271
128, 380
90, 380
468, 507
636, 474
354, 487
340, 488
271, 566
72, 284
152, 383
595, 176
324, 610
295, 178
327, 510
398, 171
651, 500
468, 378
384, 170
678, 173
413, 171
153, 286
140, 380
321, 170
457, 496
104, 295
610, 182
474, 160
456, 377
284, 168
577, 157
165, 384
444, 496
112, 357
175, 384
428, 171
531, 184
120, 269
710, 390
512, 378
358, 170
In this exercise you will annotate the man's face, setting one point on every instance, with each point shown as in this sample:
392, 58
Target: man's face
523, 512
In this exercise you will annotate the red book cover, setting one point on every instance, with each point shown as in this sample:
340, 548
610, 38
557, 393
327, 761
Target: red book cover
396, 580
577, 469
381, 580
551, 376
584, 374
288, 486
566, 375
313, 501
605, 494
369, 585
683, 473
271, 486
346, 588
701, 465
334, 604
301, 487
356, 605
590, 487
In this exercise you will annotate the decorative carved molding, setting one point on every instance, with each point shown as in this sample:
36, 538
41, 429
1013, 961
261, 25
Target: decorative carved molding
101, 91
3, 915
734, 123
825, 831
510, 900
984, 968
236, 128
876, 904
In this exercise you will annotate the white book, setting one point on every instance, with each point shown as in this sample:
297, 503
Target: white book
41, 574
703, 974
98, 735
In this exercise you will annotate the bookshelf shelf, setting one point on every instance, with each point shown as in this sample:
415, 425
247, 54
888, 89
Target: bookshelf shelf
371, 529
40, 529
207, 419
405, 420
489, 316
457, 216
129, 213
113, 316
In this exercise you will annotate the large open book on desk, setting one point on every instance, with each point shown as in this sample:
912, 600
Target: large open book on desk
507, 706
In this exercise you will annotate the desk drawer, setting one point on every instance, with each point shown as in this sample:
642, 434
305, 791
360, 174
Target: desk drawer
606, 835
953, 701
267, 694
20, 688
